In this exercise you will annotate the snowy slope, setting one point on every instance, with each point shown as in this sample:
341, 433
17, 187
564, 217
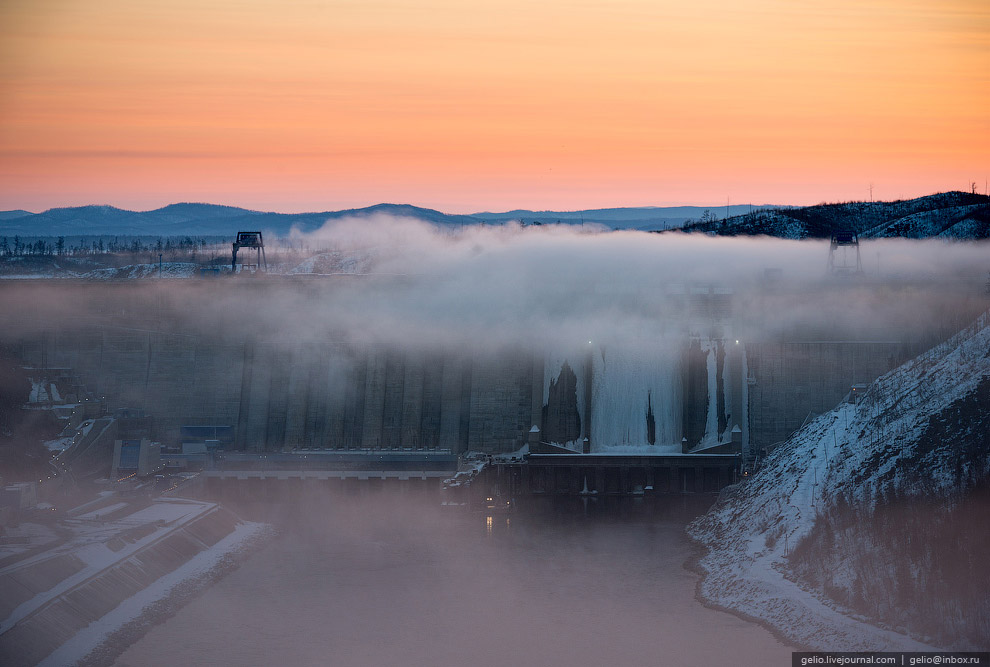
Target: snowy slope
857, 452
957, 215
959, 222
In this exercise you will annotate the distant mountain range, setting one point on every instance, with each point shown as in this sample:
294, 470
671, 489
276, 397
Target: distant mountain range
949, 214
215, 220
643, 218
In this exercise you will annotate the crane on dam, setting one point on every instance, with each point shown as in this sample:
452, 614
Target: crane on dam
249, 240
843, 254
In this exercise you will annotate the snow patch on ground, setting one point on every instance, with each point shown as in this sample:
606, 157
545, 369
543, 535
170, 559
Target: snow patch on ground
90, 637
333, 262
59, 444
102, 512
137, 271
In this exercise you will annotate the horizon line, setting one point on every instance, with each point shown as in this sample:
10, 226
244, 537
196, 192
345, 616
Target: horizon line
489, 212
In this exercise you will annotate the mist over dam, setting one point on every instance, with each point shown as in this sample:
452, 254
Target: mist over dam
295, 363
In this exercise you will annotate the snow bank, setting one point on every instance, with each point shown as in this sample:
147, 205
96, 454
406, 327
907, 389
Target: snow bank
137, 271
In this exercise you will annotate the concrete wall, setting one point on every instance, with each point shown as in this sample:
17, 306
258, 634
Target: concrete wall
501, 406
327, 394
314, 395
789, 380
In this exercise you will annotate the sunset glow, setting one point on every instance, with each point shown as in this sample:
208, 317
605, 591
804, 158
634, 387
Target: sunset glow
469, 106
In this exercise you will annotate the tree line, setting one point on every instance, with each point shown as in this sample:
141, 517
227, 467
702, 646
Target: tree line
88, 246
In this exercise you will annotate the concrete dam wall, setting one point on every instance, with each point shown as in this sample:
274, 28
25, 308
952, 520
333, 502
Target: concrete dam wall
791, 379
308, 395
328, 395
684, 385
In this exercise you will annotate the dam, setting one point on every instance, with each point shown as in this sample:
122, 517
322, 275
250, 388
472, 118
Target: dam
268, 396
199, 358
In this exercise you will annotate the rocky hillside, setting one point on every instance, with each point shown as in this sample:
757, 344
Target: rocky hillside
866, 530
952, 215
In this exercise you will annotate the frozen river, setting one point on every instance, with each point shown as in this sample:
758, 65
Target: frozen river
380, 582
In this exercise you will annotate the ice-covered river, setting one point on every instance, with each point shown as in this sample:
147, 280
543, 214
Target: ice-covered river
379, 582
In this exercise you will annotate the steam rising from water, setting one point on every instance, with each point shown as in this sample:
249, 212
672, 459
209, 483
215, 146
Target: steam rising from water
484, 287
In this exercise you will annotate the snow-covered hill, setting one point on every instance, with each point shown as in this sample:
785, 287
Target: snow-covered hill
643, 218
921, 431
956, 215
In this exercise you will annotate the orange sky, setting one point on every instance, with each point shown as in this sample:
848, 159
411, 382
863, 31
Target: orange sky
467, 105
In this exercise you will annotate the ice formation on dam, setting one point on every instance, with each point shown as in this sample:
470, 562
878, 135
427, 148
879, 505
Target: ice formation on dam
647, 396
631, 384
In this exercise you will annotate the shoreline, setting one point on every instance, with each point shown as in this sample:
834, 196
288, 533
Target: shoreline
693, 565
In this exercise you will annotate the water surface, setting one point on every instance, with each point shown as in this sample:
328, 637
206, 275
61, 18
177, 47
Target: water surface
387, 580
